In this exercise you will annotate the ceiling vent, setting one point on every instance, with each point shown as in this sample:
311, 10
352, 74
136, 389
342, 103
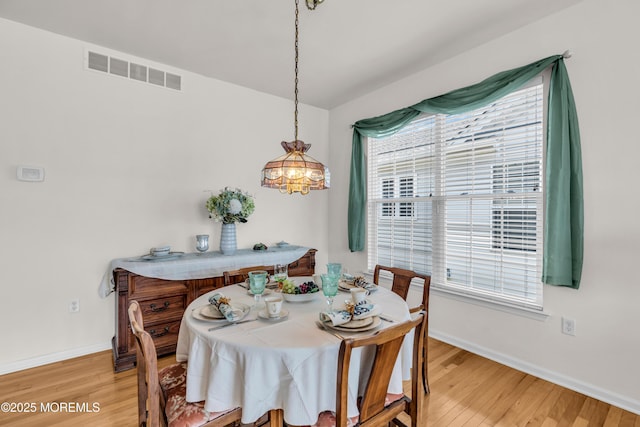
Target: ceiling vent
143, 73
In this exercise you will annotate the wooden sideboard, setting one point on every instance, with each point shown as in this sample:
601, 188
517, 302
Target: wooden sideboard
163, 303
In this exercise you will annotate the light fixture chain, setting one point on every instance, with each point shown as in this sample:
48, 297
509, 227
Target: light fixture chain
295, 92
296, 172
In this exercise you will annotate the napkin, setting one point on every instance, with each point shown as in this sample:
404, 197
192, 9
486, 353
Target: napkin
223, 304
358, 281
359, 311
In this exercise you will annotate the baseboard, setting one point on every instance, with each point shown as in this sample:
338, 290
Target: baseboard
554, 377
551, 376
53, 357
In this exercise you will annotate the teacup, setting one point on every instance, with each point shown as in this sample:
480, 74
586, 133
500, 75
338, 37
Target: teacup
274, 306
358, 295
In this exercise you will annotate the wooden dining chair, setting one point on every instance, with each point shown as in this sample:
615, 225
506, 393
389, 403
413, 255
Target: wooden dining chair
402, 279
401, 283
161, 395
376, 406
232, 277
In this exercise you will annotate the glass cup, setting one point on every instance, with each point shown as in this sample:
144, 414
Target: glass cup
202, 243
334, 269
257, 283
329, 289
280, 273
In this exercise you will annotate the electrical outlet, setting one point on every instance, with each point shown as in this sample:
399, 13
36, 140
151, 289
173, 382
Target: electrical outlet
568, 326
74, 306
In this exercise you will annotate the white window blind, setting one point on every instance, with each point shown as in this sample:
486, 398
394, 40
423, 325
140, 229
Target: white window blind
460, 197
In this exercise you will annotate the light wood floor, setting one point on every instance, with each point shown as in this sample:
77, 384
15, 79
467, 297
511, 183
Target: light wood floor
466, 389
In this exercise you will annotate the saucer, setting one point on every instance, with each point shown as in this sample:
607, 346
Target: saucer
283, 315
169, 256
347, 327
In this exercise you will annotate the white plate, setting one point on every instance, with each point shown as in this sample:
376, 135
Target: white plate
170, 255
357, 324
299, 297
345, 286
375, 322
196, 315
209, 313
283, 315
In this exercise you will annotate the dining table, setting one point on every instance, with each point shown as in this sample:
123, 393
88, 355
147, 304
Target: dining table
287, 363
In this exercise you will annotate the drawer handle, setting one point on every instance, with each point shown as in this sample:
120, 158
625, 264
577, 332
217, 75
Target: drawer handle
153, 333
156, 309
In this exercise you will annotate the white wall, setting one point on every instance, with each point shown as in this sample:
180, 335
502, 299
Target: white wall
602, 359
127, 165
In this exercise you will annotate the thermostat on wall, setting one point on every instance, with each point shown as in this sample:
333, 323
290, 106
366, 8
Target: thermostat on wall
30, 173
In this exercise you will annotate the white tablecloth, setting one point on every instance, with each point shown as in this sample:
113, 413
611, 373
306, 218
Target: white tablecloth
265, 365
200, 266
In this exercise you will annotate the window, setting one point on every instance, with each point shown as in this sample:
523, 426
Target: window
404, 191
388, 209
460, 197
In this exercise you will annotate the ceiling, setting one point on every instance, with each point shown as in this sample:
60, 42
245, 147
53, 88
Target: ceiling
347, 47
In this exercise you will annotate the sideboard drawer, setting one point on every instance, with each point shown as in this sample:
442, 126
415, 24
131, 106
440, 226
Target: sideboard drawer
162, 309
144, 287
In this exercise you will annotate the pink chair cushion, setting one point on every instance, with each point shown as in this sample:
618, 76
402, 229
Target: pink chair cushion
328, 418
180, 413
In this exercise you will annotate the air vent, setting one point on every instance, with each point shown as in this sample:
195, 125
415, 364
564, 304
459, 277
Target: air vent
138, 72
156, 77
98, 62
120, 67
173, 81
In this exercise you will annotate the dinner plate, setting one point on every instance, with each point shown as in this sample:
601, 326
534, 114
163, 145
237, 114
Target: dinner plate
375, 322
357, 324
209, 312
264, 315
197, 315
345, 286
170, 255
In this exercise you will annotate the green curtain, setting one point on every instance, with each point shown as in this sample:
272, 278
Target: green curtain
564, 223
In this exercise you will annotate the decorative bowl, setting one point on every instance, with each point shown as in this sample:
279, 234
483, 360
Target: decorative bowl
161, 251
299, 297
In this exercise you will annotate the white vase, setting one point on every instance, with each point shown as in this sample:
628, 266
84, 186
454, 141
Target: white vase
228, 244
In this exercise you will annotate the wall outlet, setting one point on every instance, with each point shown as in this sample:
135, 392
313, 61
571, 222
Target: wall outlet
568, 326
74, 306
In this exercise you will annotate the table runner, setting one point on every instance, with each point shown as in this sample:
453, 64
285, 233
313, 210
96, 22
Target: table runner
199, 266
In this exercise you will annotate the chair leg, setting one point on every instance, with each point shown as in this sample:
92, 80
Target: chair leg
276, 418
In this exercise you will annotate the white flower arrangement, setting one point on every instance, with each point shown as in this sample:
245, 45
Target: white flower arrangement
230, 206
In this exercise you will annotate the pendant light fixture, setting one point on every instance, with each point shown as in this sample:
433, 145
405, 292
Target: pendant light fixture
295, 171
